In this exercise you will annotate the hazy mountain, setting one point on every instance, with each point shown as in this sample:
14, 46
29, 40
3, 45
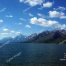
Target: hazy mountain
19, 38
55, 36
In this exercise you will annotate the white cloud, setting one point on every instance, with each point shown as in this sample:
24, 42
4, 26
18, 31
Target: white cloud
22, 19
57, 14
27, 9
32, 2
17, 33
20, 23
21, 1
42, 22
60, 8
3, 9
47, 23
1, 21
30, 14
9, 33
41, 15
48, 4
5, 29
63, 17
28, 26
40, 8
12, 31
9, 16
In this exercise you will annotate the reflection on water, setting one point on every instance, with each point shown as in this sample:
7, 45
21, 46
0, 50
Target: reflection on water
32, 55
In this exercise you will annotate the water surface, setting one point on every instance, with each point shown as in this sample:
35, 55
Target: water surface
31, 54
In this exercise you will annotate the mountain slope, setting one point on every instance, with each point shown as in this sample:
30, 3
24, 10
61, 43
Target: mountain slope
55, 36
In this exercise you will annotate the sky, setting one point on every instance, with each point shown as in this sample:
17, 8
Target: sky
31, 16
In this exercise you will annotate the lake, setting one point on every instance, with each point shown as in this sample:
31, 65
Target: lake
32, 54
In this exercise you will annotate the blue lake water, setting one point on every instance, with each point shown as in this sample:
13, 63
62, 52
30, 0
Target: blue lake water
31, 54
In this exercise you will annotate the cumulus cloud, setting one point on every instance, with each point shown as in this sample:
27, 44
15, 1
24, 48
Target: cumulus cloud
32, 2
47, 4
42, 22
5, 29
1, 21
28, 26
57, 14
47, 23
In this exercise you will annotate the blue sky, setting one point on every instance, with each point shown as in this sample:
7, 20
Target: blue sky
31, 16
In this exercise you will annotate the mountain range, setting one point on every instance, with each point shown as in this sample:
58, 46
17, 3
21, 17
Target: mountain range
54, 36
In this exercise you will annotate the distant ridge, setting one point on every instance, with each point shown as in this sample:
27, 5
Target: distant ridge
54, 36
